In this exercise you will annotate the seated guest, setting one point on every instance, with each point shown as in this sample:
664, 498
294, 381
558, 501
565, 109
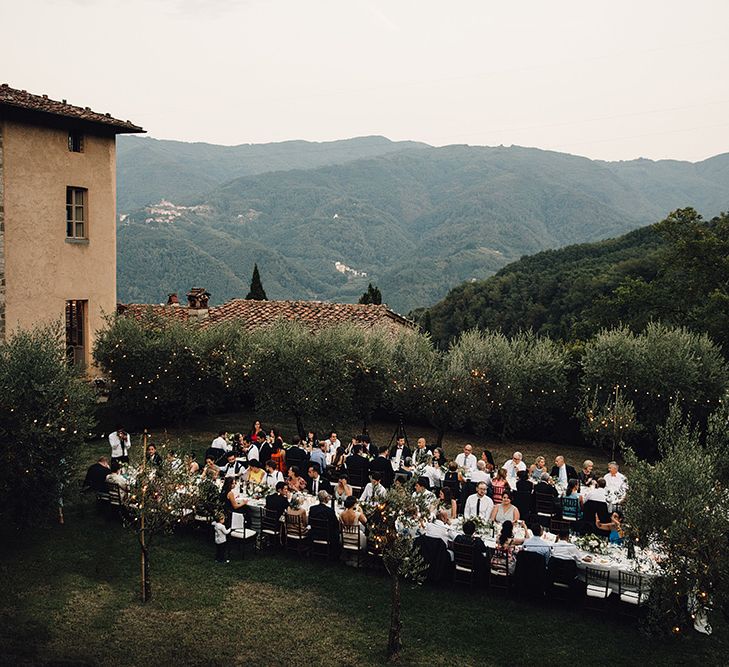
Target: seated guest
311, 442
296, 508
295, 481
342, 490
545, 486
210, 470
563, 548
478, 504
569, 511
598, 493
193, 466
537, 468
255, 474
115, 478
272, 475
433, 473
231, 502
480, 474
319, 456
339, 461
499, 484
407, 468
354, 516
332, 443
488, 458
439, 457
422, 453
440, 528
505, 510
447, 502
615, 526
279, 501
95, 479
323, 512
233, 467
469, 530
536, 544
316, 482
504, 552
296, 455
153, 457
561, 472
523, 485
374, 489
221, 443
452, 478
514, 465
614, 479
380, 464
586, 476
466, 459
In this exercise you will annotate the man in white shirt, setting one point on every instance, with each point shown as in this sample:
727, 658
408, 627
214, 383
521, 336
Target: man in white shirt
332, 442
614, 479
250, 452
466, 459
221, 442
564, 549
440, 528
598, 493
478, 504
399, 453
233, 467
374, 489
115, 478
273, 476
513, 466
480, 474
434, 475
120, 442
421, 452
536, 544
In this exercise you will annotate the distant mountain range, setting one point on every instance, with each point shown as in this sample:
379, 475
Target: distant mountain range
417, 220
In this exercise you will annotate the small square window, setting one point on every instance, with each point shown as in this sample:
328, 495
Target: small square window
75, 141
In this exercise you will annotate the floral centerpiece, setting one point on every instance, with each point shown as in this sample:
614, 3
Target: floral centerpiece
592, 544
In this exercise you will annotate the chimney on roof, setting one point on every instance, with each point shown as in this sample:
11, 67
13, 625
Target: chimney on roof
172, 299
197, 302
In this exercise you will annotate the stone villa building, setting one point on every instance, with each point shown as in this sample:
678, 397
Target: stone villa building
57, 217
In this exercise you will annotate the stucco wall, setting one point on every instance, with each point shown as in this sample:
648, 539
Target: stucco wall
42, 270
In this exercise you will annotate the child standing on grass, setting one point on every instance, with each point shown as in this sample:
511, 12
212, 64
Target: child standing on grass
221, 539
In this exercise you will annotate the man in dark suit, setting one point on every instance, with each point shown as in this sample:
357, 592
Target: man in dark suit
369, 446
400, 451
296, 455
322, 512
357, 466
382, 465
95, 479
315, 482
480, 559
561, 472
279, 501
544, 487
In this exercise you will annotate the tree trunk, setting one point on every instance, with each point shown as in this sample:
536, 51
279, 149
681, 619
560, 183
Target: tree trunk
300, 427
394, 642
364, 426
441, 433
146, 586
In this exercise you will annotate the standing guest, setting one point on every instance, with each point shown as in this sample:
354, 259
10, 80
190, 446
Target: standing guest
382, 465
399, 452
279, 501
586, 476
505, 510
514, 465
537, 469
95, 479
421, 452
296, 455
343, 490
478, 504
221, 539
499, 484
536, 544
210, 470
221, 443
614, 479
257, 434
295, 481
120, 442
374, 489
466, 459
278, 456
316, 482
114, 477
265, 448
273, 475
562, 472
319, 456
153, 458
447, 502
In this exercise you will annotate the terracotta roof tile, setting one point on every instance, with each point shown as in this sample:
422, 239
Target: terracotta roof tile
21, 99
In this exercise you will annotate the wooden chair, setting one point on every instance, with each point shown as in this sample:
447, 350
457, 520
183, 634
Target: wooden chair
499, 577
597, 588
555, 525
295, 535
497, 491
530, 574
571, 510
321, 543
271, 528
352, 542
240, 533
632, 592
545, 506
561, 578
465, 563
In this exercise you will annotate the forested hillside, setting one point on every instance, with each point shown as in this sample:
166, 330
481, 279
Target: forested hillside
417, 222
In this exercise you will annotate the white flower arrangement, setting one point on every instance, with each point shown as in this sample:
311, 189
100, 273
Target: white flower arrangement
592, 544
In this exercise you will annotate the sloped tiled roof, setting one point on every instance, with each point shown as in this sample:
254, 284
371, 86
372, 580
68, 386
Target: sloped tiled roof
22, 99
253, 314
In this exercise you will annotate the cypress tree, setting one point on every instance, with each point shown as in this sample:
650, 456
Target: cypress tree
372, 295
256, 293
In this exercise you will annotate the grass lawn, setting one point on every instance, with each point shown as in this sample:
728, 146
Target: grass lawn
70, 595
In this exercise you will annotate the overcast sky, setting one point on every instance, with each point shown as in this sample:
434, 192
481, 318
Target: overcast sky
610, 80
